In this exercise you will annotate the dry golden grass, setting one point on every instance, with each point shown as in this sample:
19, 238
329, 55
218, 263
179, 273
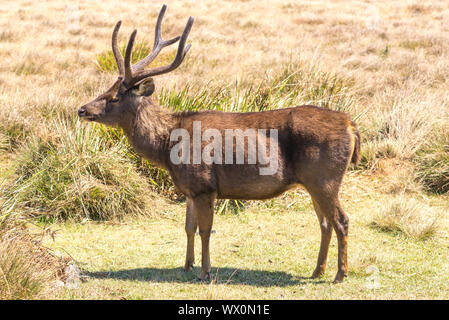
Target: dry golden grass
408, 216
393, 50
27, 268
392, 54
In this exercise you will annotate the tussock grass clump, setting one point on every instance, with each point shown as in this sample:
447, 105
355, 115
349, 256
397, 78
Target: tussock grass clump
433, 164
311, 85
27, 269
409, 217
158, 178
401, 129
294, 84
106, 60
369, 155
407, 124
77, 174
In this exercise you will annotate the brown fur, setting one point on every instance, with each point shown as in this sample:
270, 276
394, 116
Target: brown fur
315, 147
355, 159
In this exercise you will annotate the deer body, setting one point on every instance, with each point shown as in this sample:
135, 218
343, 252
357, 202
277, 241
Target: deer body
314, 147
306, 135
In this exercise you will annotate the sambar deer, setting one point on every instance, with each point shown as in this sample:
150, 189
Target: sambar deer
313, 147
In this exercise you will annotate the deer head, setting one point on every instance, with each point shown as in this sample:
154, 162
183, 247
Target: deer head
134, 82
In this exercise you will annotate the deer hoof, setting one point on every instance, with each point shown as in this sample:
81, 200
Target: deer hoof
188, 266
318, 273
339, 277
204, 276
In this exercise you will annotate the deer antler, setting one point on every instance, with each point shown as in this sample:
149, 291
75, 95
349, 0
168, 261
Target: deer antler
136, 73
115, 49
159, 44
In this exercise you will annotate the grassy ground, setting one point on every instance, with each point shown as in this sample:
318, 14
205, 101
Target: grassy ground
267, 251
384, 63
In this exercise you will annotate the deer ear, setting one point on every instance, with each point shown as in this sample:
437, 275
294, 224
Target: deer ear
146, 87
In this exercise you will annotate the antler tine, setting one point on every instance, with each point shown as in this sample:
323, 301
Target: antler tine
115, 49
180, 55
159, 44
128, 55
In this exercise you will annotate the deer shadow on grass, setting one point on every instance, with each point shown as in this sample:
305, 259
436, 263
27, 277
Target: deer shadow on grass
232, 276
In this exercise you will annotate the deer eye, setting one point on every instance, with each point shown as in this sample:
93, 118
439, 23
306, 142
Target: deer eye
114, 100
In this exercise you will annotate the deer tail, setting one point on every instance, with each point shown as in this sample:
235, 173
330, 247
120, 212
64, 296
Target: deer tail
355, 141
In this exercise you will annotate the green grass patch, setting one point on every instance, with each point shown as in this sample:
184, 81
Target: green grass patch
296, 83
256, 254
77, 174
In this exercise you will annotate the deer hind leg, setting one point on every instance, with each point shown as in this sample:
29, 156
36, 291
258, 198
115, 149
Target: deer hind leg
329, 205
191, 226
203, 207
326, 235
342, 225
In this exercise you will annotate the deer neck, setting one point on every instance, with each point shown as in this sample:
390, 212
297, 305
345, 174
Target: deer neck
148, 129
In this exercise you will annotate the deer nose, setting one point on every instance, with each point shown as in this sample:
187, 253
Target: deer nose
81, 111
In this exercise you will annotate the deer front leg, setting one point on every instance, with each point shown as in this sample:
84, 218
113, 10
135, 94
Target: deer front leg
203, 206
191, 226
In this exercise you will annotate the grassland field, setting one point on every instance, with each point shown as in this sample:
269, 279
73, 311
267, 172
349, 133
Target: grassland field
74, 192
